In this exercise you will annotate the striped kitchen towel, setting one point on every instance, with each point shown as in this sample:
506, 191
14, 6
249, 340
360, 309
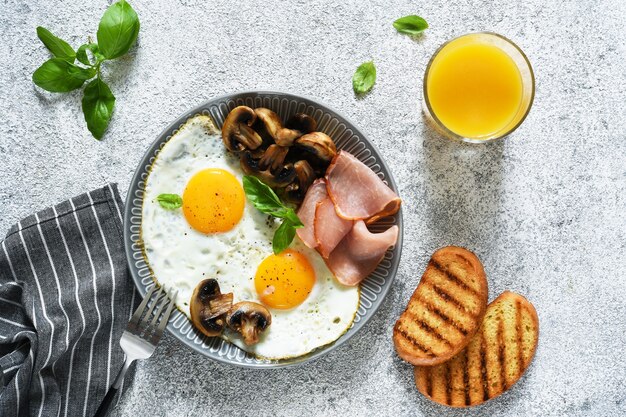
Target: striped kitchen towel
65, 298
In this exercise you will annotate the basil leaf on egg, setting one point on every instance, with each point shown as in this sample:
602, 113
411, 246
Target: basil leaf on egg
118, 30
261, 195
57, 46
364, 78
170, 201
266, 201
98, 101
411, 25
283, 236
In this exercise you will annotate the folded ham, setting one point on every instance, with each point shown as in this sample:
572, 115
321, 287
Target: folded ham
306, 212
359, 253
329, 228
335, 213
358, 193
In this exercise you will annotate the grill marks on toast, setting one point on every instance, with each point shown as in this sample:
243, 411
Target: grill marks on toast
451, 276
445, 310
438, 314
494, 360
407, 338
453, 313
448, 297
518, 334
466, 378
501, 363
483, 367
430, 329
458, 393
429, 382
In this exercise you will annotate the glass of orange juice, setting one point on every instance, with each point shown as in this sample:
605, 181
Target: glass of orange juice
478, 87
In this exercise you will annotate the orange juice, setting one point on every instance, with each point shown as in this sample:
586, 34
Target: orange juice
474, 88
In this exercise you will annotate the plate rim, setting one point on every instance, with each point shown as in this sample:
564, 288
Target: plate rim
128, 243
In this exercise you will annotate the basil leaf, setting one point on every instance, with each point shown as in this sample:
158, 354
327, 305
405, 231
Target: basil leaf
262, 196
284, 213
364, 78
266, 201
411, 25
57, 46
81, 54
118, 30
283, 236
60, 76
293, 218
98, 104
170, 201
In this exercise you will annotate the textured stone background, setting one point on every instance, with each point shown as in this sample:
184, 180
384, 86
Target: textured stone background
544, 210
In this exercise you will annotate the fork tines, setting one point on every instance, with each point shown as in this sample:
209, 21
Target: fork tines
147, 327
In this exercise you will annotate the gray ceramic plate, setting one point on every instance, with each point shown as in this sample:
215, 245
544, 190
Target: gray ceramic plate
346, 136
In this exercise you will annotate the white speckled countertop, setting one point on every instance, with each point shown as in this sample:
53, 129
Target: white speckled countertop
545, 210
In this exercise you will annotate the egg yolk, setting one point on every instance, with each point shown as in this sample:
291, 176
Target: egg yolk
285, 280
213, 201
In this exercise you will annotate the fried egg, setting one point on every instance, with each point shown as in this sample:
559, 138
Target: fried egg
218, 234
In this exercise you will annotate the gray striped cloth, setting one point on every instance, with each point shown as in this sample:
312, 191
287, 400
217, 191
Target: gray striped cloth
65, 298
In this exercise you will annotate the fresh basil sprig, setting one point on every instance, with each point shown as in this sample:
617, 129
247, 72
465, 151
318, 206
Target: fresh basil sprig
364, 78
266, 201
117, 33
411, 25
170, 201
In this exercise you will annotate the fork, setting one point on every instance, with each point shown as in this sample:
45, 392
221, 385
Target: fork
140, 338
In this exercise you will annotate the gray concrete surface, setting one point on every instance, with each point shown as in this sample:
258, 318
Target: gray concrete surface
544, 210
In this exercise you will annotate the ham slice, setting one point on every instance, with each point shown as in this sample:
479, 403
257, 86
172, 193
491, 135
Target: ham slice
358, 193
329, 228
359, 253
306, 212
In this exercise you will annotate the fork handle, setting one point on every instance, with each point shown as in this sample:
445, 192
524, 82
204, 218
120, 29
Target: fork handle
103, 410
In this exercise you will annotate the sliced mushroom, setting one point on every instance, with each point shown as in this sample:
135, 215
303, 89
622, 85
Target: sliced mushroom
305, 175
209, 307
302, 122
273, 158
299, 124
281, 179
318, 144
270, 120
286, 137
249, 319
237, 132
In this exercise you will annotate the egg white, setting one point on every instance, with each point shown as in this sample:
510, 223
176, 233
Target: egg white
180, 257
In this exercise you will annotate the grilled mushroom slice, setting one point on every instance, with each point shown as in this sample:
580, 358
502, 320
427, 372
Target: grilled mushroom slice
270, 120
298, 125
286, 137
273, 158
209, 307
319, 145
237, 132
274, 127
301, 122
305, 175
285, 176
249, 319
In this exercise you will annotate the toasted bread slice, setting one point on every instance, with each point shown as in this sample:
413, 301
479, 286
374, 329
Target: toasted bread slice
495, 359
446, 309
